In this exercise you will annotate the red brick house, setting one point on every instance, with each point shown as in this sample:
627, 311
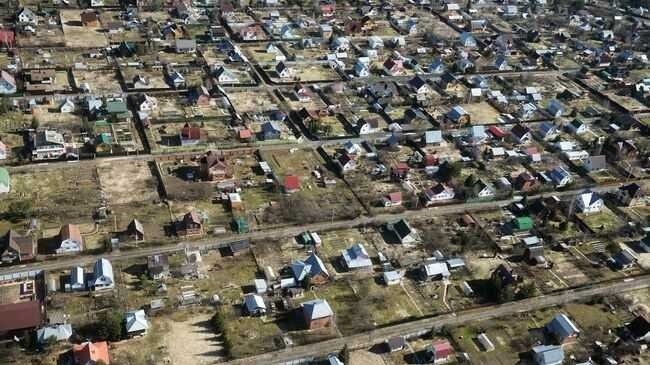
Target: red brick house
317, 314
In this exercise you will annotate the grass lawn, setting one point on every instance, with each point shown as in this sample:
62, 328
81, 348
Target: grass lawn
250, 335
603, 221
228, 277
386, 304
350, 317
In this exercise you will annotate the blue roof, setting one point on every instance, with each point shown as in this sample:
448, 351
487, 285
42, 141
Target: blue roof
548, 355
432, 137
562, 327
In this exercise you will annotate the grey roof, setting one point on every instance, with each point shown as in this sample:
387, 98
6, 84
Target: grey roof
254, 303
317, 308
312, 266
562, 327
356, 257
59, 331
136, 321
432, 137
548, 355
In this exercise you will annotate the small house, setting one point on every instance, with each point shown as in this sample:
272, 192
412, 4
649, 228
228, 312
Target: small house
15, 248
135, 323
7, 83
547, 355
439, 351
317, 314
158, 266
559, 176
434, 270
77, 279
577, 126
270, 131
521, 134
630, 194
395, 344
103, 276
589, 202
403, 231
392, 277
70, 240
89, 19
91, 353
392, 199
548, 131
190, 225
555, 108
213, 166
291, 184
185, 45
467, 40
458, 115
562, 329
596, 163
313, 267
639, 329
356, 258
135, 230
254, 305
485, 341
56, 332
438, 193
190, 135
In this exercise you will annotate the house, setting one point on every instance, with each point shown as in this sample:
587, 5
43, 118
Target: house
317, 314
559, 176
501, 63
240, 224
254, 305
630, 195
437, 66
158, 266
135, 323
213, 166
89, 19
458, 115
5, 181
67, 106
548, 131
91, 353
485, 341
403, 232
361, 69
135, 230
53, 332
356, 257
481, 190
77, 279
433, 137
313, 267
7, 83
392, 277
190, 225
176, 79
439, 351
393, 67
548, 355
225, 76
434, 270
190, 135
504, 276
302, 93
438, 193
199, 95
392, 199
521, 134
368, 126
103, 278
526, 182
185, 45
146, 103
577, 126
596, 163
291, 184
375, 42
419, 86
70, 240
589, 202
562, 329
47, 145
639, 329
467, 40
26, 16
283, 71
555, 108
20, 317
395, 344
15, 248
271, 130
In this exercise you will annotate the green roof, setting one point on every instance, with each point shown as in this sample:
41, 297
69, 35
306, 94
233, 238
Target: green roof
241, 224
523, 223
4, 176
105, 138
116, 107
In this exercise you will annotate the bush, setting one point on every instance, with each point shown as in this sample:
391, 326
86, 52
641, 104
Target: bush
110, 325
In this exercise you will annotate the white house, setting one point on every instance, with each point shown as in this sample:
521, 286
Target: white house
224, 75
77, 279
147, 103
26, 16
356, 257
103, 279
284, 72
361, 69
59, 332
70, 240
577, 127
438, 193
403, 231
589, 202
67, 106
432, 270
136, 323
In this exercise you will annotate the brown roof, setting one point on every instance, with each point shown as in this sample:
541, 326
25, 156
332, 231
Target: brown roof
192, 217
191, 133
89, 17
21, 244
18, 316
70, 231
214, 159
91, 352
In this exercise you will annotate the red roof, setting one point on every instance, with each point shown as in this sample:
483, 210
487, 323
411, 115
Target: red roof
88, 351
531, 151
7, 36
402, 166
430, 160
18, 316
291, 182
496, 131
442, 349
191, 133
395, 196
245, 133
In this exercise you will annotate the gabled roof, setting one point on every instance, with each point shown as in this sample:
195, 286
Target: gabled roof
21, 315
254, 303
90, 353
70, 231
60, 332
548, 355
589, 198
136, 321
312, 266
519, 131
316, 309
562, 327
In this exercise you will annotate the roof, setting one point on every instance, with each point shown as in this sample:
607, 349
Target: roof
562, 327
104, 268
23, 245
589, 198
442, 348
59, 331
316, 309
291, 182
433, 136
17, 316
189, 132
89, 351
4, 177
253, 303
89, 16
547, 355
70, 231
436, 268
312, 266
639, 327
519, 130
401, 228
136, 321
356, 257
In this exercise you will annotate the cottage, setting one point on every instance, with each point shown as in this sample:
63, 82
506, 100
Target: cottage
419, 86
521, 134
559, 176
47, 145
15, 248
313, 267
317, 314
89, 19
77, 279
158, 266
467, 40
190, 135
291, 184
91, 353
526, 182
103, 278
439, 351
395, 344
562, 329
434, 270
254, 305
393, 67
27, 16
555, 108
135, 323
70, 240
356, 257
577, 126
283, 71
7, 83
392, 199
135, 230
403, 232
548, 131
438, 193
271, 131
458, 115
190, 225
392, 277
589, 202
485, 341
433, 137
214, 166
185, 45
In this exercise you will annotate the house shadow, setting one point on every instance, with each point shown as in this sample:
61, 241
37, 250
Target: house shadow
484, 290
389, 237
186, 173
292, 321
418, 357
136, 269
48, 245
337, 264
74, 23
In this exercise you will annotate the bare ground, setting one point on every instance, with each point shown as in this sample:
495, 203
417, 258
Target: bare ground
193, 341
